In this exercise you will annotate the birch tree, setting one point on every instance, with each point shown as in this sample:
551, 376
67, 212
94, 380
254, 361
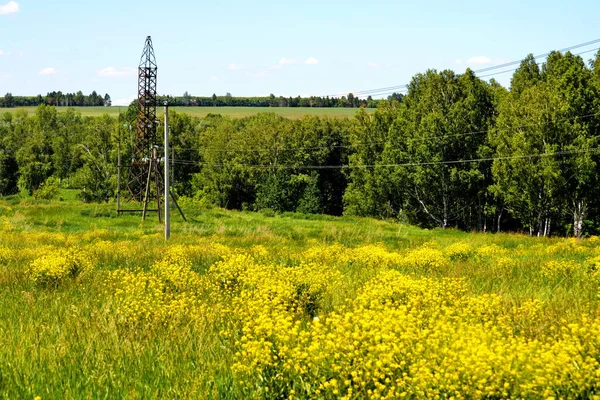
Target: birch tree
446, 118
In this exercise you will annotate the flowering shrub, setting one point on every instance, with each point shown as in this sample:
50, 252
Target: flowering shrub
492, 250
459, 251
560, 269
6, 254
425, 259
58, 265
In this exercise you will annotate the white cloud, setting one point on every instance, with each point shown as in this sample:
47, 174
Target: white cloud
235, 67
112, 72
214, 78
311, 61
5, 76
9, 8
286, 61
276, 67
48, 71
479, 60
123, 102
458, 61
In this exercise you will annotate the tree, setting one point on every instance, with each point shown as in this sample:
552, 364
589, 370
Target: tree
79, 99
8, 100
187, 99
9, 174
369, 191
537, 123
96, 177
34, 157
69, 132
350, 100
526, 76
396, 97
427, 140
576, 126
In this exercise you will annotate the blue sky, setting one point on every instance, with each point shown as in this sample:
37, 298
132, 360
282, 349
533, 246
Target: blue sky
259, 47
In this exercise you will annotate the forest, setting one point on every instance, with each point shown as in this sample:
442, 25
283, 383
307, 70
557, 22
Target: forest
455, 151
56, 99
80, 100
349, 101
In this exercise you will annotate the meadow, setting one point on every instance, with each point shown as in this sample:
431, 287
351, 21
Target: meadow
234, 112
266, 305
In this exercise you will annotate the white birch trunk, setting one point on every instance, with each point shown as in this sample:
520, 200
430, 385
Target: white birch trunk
579, 214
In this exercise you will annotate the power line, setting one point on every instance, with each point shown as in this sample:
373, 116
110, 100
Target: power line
409, 164
538, 63
505, 71
538, 56
394, 89
425, 138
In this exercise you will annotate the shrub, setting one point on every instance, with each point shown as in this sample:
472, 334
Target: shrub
58, 265
48, 190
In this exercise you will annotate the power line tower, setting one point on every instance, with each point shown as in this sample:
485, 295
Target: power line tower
145, 178
143, 154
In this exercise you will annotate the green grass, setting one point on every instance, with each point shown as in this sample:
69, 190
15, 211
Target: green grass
64, 342
234, 112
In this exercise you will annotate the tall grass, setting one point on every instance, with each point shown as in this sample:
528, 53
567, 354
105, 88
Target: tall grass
67, 341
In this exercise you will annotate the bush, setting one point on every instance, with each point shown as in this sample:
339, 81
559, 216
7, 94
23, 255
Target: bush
9, 175
48, 190
56, 266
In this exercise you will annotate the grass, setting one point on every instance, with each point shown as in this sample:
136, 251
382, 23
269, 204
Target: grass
79, 338
234, 112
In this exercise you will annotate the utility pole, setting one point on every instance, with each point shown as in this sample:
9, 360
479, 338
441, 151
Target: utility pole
119, 173
167, 215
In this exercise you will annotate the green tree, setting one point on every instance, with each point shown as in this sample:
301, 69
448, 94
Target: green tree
553, 116
526, 76
69, 132
8, 100
9, 174
369, 192
97, 176
35, 155
440, 127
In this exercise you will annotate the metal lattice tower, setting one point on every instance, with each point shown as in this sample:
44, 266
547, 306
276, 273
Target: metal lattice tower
144, 173
145, 139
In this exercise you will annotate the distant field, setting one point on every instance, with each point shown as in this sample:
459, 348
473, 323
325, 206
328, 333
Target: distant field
235, 112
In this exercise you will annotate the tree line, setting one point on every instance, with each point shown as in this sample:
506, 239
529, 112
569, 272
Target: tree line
56, 99
349, 101
456, 151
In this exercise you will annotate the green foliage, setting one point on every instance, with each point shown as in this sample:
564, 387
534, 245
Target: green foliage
9, 174
260, 161
399, 166
35, 154
455, 151
554, 114
47, 190
526, 76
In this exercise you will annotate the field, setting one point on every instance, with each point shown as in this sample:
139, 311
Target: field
234, 112
251, 305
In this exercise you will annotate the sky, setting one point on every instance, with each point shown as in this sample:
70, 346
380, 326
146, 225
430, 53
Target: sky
254, 48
